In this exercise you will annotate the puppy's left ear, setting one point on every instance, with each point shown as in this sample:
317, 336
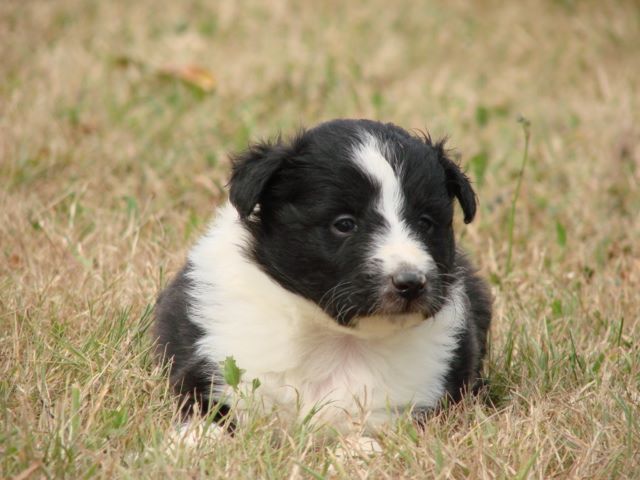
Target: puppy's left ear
458, 184
254, 168
251, 171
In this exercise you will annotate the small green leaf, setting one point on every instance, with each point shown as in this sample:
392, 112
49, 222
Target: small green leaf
556, 308
232, 374
255, 384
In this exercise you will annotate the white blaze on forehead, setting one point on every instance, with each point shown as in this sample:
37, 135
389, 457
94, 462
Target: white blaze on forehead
396, 246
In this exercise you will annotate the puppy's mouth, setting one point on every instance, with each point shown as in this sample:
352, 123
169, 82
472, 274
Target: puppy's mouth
393, 313
392, 304
392, 307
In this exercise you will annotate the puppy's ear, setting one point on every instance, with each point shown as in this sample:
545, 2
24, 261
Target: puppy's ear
458, 184
254, 168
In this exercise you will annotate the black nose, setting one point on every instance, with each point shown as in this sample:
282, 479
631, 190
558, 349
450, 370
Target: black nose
409, 284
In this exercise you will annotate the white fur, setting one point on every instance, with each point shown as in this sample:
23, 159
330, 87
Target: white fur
302, 357
396, 247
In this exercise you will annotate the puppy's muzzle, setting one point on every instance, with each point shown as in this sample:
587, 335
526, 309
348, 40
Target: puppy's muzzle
409, 284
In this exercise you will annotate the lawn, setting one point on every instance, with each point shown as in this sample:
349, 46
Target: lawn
116, 119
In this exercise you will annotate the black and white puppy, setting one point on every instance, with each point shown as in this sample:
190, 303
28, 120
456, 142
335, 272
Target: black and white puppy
332, 276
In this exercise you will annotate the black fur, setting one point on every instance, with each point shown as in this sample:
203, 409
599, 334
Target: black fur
190, 375
466, 368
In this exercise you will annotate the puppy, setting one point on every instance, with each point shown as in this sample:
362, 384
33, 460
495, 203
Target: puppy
333, 278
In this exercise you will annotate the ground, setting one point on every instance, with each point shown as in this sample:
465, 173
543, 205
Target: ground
113, 154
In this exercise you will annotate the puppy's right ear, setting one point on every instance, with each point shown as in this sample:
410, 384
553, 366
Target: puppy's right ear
251, 172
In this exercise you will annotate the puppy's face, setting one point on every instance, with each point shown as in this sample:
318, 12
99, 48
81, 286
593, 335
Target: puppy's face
355, 216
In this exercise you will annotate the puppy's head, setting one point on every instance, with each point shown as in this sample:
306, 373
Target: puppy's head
355, 216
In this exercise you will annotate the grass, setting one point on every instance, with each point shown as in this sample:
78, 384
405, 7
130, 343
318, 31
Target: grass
526, 128
111, 162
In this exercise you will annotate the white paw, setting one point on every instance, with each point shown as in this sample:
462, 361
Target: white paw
358, 446
194, 434
369, 445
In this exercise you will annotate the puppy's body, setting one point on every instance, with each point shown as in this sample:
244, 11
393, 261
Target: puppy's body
332, 277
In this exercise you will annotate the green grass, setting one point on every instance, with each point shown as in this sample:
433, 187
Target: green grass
110, 168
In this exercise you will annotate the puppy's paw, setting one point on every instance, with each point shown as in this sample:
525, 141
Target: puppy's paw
194, 434
358, 446
368, 445
354, 450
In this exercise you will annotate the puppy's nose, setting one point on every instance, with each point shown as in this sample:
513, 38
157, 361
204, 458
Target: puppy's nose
409, 284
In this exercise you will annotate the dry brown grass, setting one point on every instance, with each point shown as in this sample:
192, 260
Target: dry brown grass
108, 171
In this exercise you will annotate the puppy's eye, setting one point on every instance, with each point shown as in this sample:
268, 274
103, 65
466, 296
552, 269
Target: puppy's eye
344, 225
427, 223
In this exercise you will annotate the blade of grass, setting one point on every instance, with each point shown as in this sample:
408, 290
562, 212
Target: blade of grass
526, 128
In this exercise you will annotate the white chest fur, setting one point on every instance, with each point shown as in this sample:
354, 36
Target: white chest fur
300, 355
